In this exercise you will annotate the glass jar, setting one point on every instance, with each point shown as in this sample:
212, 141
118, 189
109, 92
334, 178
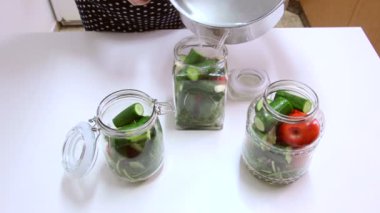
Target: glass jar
283, 128
246, 84
200, 83
134, 151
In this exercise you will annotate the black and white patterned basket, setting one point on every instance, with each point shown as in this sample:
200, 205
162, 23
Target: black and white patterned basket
122, 16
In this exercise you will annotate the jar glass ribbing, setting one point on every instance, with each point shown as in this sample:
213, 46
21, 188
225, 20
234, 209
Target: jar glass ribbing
132, 160
280, 149
134, 151
200, 84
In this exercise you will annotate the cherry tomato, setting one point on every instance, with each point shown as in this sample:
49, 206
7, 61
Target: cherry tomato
220, 79
300, 134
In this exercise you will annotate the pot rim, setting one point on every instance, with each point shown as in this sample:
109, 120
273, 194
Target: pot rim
183, 13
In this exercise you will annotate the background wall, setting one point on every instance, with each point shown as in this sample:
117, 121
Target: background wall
335, 13
26, 16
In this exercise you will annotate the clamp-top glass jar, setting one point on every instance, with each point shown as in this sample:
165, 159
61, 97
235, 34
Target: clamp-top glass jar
128, 128
200, 83
283, 129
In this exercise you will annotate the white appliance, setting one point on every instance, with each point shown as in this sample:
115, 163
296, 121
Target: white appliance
66, 12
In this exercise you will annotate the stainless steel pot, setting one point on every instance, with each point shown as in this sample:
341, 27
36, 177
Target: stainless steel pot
237, 20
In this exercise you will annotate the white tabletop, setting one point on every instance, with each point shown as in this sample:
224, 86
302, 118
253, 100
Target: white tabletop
51, 81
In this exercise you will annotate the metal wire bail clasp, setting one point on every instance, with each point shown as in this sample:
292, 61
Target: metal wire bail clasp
94, 127
163, 108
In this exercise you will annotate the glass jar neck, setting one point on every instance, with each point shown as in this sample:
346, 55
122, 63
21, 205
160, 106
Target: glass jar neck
115, 103
296, 88
208, 46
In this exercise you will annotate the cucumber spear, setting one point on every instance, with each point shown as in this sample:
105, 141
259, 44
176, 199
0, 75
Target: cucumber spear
194, 57
298, 102
264, 121
132, 113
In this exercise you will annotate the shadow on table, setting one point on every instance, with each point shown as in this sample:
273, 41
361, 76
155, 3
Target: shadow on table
79, 191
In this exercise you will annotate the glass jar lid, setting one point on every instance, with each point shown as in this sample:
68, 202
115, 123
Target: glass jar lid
247, 84
79, 150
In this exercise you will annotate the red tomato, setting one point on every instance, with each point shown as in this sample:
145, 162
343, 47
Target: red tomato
300, 134
220, 79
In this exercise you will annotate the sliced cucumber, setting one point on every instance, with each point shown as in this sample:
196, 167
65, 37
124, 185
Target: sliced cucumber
298, 102
206, 87
194, 57
118, 168
127, 149
182, 57
192, 73
132, 113
219, 88
207, 62
143, 137
288, 155
260, 104
122, 167
137, 146
136, 165
182, 76
135, 124
125, 173
264, 121
260, 134
208, 65
272, 136
119, 142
